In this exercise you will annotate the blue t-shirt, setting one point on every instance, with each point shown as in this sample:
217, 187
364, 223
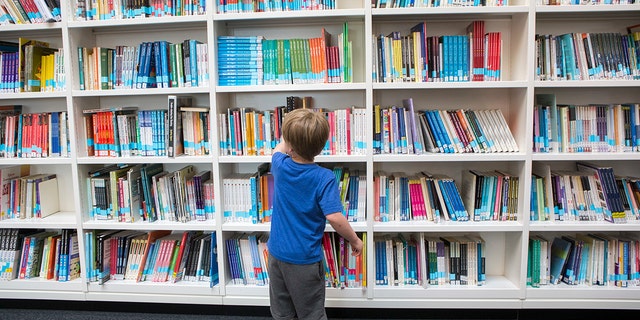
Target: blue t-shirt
303, 195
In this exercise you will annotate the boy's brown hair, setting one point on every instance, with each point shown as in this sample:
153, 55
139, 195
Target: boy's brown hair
306, 132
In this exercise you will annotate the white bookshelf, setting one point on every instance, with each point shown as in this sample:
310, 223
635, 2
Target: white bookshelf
514, 96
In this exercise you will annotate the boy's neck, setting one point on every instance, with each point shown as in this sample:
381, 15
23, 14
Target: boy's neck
296, 158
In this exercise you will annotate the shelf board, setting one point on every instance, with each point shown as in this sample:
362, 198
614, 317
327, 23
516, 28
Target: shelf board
196, 20
582, 292
38, 285
266, 227
179, 159
484, 85
449, 157
33, 95
140, 92
146, 287
588, 11
148, 226
262, 159
291, 15
586, 156
496, 287
292, 87
449, 11
587, 83
36, 161
583, 226
58, 220
448, 226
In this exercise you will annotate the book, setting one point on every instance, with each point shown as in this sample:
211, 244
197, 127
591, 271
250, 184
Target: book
33, 66
7, 174
46, 196
152, 236
175, 135
607, 185
560, 250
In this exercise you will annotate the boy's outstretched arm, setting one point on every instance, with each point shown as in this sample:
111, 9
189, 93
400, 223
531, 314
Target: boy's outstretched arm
282, 146
342, 226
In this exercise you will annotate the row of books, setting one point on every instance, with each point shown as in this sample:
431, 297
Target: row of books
483, 196
235, 6
129, 193
416, 57
402, 130
352, 186
448, 260
39, 254
29, 11
133, 9
585, 128
249, 196
244, 131
31, 66
436, 3
591, 259
254, 60
33, 135
26, 195
588, 56
247, 259
591, 192
343, 270
181, 129
32, 196
154, 256
158, 64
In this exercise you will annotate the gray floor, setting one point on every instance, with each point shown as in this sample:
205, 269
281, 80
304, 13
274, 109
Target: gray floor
26, 314
65, 310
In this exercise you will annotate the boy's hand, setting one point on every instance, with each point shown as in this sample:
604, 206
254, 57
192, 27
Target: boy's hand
356, 247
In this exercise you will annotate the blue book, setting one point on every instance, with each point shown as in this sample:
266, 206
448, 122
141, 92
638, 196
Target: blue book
193, 63
214, 277
164, 76
569, 58
434, 129
441, 131
560, 249
143, 53
445, 201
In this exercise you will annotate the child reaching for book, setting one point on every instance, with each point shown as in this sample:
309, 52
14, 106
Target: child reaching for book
305, 196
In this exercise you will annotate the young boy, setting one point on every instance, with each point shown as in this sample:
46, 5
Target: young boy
305, 197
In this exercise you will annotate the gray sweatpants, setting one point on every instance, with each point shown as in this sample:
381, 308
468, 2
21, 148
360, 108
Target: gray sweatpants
296, 291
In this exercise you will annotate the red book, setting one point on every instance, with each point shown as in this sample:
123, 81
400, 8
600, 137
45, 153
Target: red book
26, 244
178, 270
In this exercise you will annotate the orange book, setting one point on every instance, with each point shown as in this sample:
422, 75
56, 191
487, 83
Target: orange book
325, 41
151, 238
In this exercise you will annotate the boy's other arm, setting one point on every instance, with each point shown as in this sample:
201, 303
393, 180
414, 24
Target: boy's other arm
342, 226
282, 146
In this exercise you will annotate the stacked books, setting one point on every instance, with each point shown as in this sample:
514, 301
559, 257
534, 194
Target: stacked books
96, 10
25, 12
240, 60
